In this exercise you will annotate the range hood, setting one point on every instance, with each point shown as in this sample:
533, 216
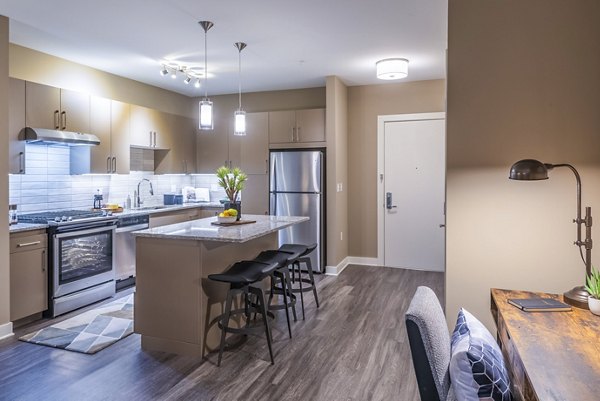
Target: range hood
56, 137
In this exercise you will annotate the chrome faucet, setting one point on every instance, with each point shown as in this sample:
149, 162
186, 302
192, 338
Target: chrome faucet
139, 200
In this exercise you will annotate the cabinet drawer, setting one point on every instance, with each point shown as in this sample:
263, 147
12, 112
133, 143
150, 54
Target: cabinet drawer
27, 242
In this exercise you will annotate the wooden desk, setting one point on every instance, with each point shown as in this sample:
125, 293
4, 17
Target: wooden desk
550, 355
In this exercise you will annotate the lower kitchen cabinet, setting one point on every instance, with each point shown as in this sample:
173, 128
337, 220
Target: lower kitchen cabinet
28, 273
210, 211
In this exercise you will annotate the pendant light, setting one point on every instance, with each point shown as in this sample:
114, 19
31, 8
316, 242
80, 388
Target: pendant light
240, 114
205, 107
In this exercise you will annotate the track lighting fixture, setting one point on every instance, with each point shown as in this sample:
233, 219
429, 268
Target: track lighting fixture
164, 71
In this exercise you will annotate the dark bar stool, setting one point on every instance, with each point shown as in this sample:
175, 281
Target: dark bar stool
299, 254
240, 276
280, 283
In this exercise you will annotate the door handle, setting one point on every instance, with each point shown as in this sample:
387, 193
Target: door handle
114, 164
442, 225
388, 201
108, 164
43, 260
63, 118
21, 162
56, 120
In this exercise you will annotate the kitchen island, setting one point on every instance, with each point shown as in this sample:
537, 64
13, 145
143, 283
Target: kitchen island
176, 305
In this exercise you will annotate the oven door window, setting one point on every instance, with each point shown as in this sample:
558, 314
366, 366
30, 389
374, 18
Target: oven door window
84, 255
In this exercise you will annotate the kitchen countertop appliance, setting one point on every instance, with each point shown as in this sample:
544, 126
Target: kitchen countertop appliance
297, 189
80, 257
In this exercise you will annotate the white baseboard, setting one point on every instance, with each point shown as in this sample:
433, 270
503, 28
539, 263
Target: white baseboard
6, 330
336, 270
350, 260
358, 260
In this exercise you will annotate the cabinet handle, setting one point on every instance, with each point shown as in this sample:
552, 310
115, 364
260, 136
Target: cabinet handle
150, 132
43, 260
56, 122
114, 164
154, 138
298, 131
28, 244
21, 162
63, 117
108, 164
267, 166
293, 134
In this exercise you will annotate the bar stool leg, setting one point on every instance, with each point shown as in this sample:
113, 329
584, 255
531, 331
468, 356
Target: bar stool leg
297, 264
312, 279
263, 310
285, 302
224, 324
290, 294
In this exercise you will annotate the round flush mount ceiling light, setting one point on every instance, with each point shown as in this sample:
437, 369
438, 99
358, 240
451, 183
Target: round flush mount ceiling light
392, 68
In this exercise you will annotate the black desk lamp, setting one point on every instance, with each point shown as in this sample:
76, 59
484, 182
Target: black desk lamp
533, 170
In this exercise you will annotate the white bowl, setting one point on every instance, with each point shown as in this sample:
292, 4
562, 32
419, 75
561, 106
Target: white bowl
227, 219
594, 305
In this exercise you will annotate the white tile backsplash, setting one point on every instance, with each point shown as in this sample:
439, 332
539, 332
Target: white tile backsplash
48, 185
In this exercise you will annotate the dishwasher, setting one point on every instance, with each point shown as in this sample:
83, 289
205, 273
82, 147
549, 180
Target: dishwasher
125, 248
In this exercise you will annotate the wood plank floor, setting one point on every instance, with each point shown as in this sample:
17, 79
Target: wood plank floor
354, 347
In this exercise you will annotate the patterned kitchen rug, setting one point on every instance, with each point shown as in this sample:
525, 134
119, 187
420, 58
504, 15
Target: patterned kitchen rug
90, 331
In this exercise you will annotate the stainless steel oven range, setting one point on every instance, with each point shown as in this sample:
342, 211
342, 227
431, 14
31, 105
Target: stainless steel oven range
80, 257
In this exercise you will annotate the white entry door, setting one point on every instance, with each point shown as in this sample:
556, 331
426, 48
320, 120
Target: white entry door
414, 194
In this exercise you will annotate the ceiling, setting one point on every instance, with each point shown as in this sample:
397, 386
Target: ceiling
291, 44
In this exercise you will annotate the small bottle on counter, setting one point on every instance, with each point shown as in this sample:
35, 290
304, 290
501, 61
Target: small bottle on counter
13, 217
128, 202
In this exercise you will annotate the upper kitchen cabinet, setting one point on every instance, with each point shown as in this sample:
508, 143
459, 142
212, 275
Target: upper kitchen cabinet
181, 156
16, 122
53, 108
297, 126
254, 146
109, 121
149, 127
221, 147
213, 148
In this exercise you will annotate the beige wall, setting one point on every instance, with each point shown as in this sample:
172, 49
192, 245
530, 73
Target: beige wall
365, 103
4, 259
523, 82
31, 65
337, 170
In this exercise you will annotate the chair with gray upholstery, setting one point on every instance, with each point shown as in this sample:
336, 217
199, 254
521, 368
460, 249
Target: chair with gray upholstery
429, 345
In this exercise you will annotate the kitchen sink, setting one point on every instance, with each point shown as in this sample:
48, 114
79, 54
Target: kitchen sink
151, 207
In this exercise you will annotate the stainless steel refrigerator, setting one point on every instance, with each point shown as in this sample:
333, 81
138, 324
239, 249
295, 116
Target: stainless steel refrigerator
296, 189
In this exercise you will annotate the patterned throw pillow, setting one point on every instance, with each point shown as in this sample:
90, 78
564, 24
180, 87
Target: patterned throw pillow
477, 370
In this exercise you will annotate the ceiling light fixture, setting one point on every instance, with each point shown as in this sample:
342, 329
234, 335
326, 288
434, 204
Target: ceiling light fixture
164, 71
392, 68
187, 80
239, 114
205, 106
197, 84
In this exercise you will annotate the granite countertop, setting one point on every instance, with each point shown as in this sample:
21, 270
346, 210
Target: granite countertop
15, 228
203, 230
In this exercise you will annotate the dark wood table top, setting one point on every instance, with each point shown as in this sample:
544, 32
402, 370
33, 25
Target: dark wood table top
560, 351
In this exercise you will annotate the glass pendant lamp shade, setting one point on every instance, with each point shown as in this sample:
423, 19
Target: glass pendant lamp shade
239, 115
206, 106
206, 114
240, 122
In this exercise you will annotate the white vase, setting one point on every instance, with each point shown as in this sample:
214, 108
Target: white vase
594, 305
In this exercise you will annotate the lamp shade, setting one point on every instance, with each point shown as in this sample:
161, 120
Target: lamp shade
206, 114
392, 68
528, 170
239, 123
